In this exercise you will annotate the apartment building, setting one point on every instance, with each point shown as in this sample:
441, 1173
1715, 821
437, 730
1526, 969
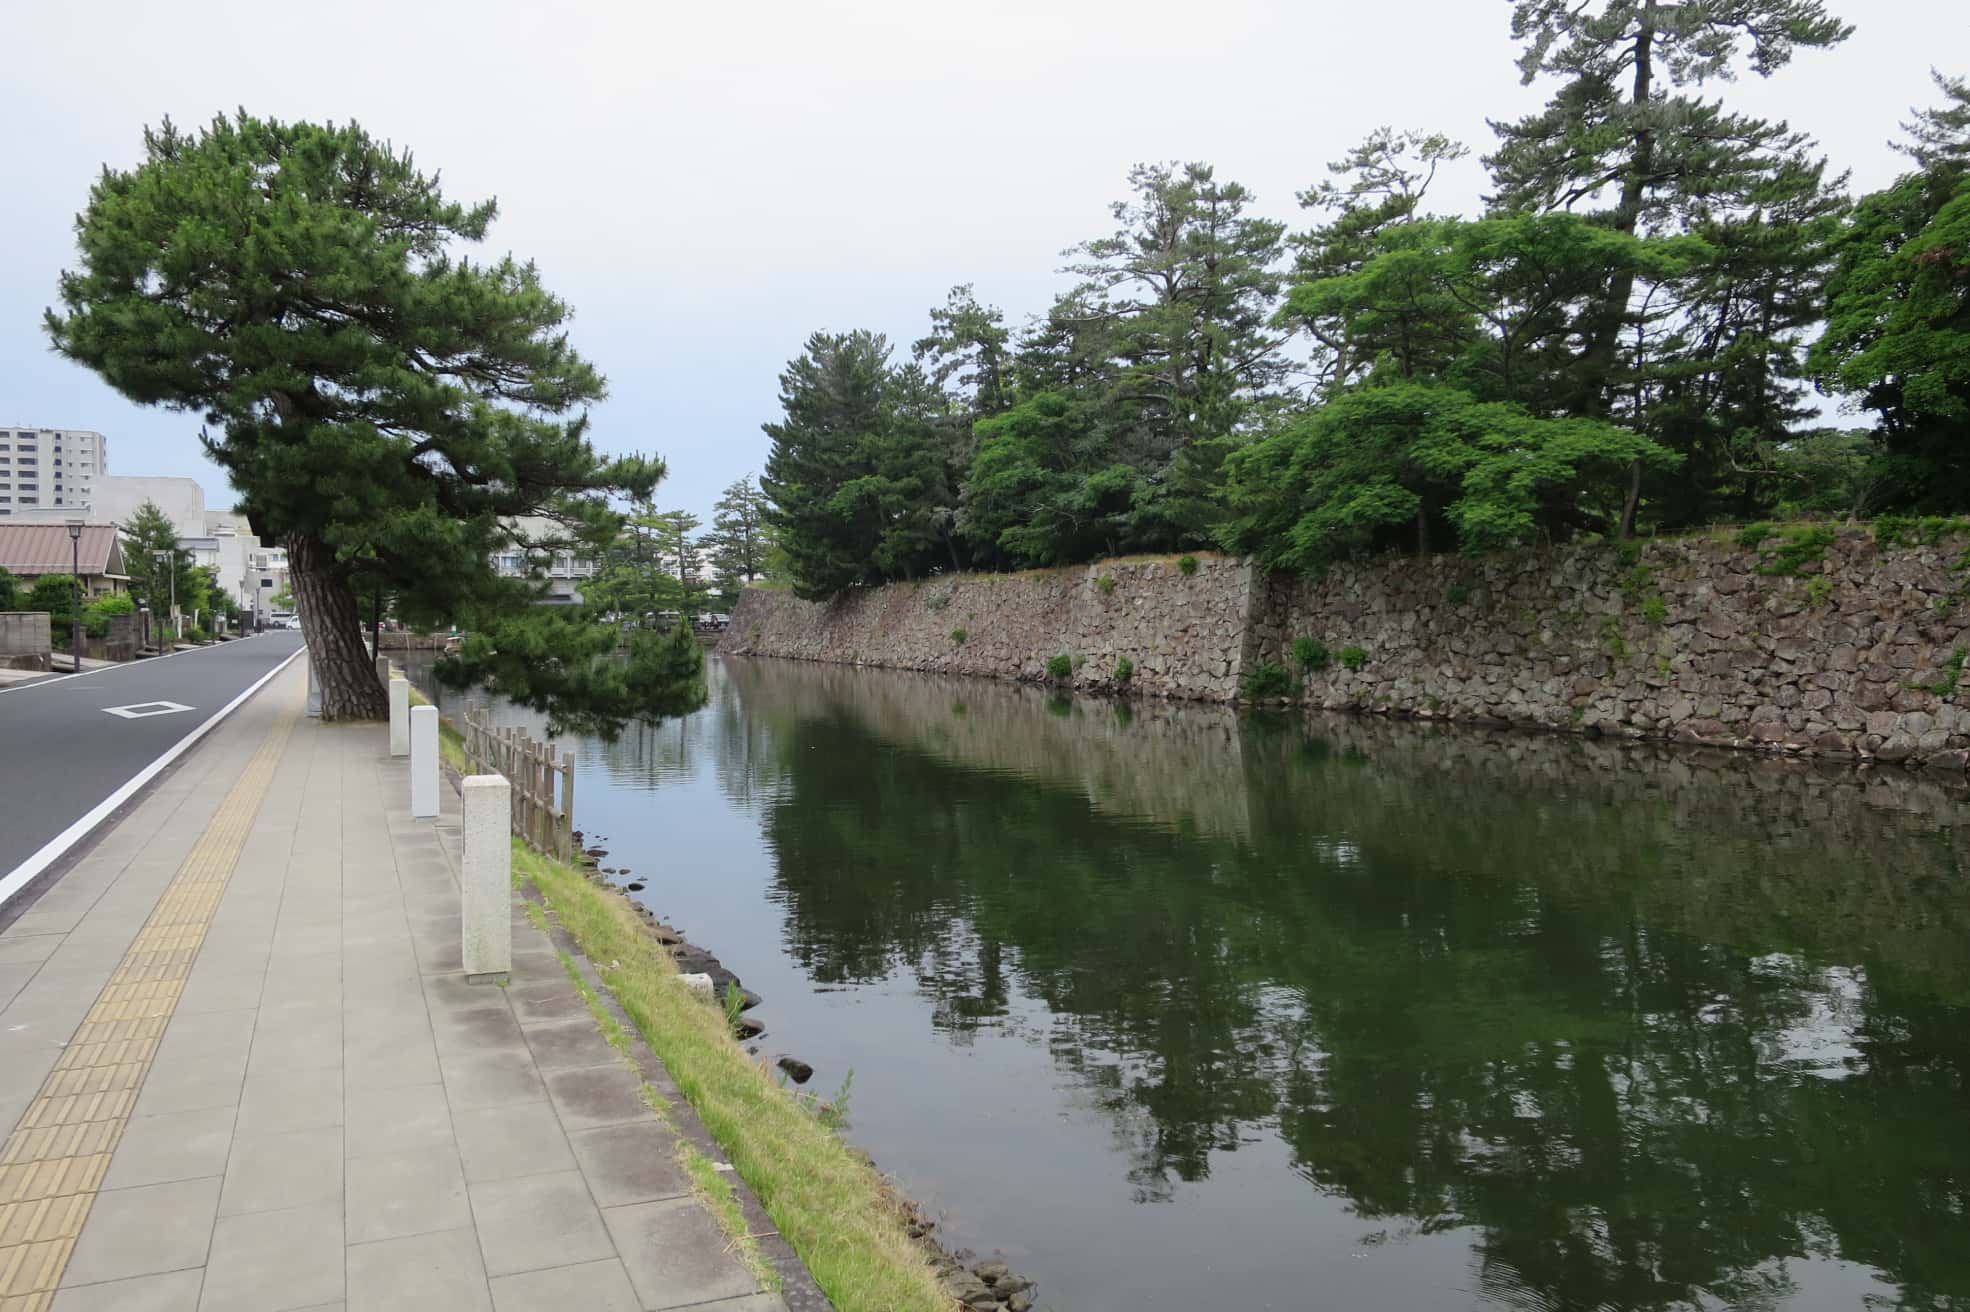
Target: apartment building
43, 469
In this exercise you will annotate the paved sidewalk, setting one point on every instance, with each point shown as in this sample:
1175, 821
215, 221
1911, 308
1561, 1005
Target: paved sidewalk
242, 1069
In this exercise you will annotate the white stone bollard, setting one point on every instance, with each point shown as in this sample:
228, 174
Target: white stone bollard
383, 670
423, 761
399, 715
486, 882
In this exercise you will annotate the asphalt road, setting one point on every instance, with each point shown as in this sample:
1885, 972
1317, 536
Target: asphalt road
64, 750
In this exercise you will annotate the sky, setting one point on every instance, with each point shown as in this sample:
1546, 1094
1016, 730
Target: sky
708, 184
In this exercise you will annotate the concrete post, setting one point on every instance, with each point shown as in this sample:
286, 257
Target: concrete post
423, 761
486, 882
399, 715
383, 670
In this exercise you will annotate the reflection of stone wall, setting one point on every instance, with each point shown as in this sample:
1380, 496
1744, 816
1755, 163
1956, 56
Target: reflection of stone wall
1846, 651
1167, 763
1183, 632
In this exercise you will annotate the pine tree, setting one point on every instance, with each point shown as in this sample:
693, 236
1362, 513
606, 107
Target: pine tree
149, 535
385, 407
740, 539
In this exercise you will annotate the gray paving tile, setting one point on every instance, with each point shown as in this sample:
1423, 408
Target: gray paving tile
748, 1303
591, 1286
388, 1059
144, 1231
499, 1143
675, 1253
275, 1261
591, 1096
439, 1272
271, 1172
297, 1038
295, 1100
173, 1146
561, 1045
538, 1221
27, 949
190, 1087
547, 1002
491, 1079
397, 1120
486, 1029
406, 1193
633, 1163
173, 1291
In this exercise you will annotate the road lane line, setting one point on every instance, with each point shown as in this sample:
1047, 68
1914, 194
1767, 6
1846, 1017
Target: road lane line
23, 874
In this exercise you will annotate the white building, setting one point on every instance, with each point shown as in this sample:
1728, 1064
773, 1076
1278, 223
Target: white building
563, 571
56, 470
113, 499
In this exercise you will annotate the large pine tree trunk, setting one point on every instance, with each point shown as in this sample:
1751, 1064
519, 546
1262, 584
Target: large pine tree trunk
332, 625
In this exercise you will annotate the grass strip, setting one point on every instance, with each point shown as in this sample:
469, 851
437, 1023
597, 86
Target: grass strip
831, 1207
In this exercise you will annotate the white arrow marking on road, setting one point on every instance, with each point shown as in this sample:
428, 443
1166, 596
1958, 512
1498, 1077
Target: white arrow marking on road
144, 710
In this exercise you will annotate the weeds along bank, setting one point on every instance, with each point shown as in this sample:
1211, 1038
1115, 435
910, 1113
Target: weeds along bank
1807, 637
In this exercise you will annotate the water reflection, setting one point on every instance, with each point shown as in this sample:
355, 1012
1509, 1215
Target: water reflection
1624, 1028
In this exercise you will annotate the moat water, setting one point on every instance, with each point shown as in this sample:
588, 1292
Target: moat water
1177, 1008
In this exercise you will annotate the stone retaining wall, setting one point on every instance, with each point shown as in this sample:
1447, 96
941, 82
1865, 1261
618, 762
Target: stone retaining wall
1807, 641
25, 640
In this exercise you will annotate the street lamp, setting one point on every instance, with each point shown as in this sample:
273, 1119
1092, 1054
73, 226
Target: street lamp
75, 572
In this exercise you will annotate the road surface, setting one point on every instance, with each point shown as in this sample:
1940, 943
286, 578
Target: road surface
67, 745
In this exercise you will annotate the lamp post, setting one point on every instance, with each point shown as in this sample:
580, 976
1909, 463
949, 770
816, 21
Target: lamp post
75, 572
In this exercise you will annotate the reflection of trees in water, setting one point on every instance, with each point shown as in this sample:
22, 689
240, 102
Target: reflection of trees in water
1650, 1028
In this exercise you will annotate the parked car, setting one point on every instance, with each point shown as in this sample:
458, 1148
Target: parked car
283, 619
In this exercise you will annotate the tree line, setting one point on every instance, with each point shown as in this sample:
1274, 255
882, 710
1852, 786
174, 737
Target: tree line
1640, 332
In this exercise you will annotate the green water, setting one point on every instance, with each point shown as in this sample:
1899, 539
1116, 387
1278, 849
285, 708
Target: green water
1186, 1010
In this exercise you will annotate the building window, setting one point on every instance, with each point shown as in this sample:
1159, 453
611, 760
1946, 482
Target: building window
266, 583
30, 501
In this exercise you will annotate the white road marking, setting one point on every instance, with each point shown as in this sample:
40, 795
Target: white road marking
144, 710
21, 875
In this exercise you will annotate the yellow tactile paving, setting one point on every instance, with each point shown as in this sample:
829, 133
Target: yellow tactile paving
54, 1161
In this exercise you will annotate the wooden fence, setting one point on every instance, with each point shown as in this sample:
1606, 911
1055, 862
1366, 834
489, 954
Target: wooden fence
543, 814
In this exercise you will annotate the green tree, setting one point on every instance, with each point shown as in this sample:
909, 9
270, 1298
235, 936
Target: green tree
9, 595
1626, 137
383, 404
678, 552
1939, 137
1043, 490
740, 538
58, 594
859, 490
149, 535
1897, 335
967, 354
1362, 471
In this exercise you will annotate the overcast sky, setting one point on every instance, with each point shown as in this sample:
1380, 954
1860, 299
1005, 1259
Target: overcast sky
709, 183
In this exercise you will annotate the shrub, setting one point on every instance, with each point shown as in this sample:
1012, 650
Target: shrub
1187, 564
1456, 594
1311, 654
8, 594
1124, 669
196, 634
54, 593
958, 636
1106, 583
96, 615
1655, 610
1060, 667
1354, 657
1268, 679
1820, 587
1798, 547
1752, 534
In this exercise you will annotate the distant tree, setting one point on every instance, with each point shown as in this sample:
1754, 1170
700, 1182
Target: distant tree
8, 593
1939, 138
386, 407
1040, 491
149, 533
740, 537
858, 487
678, 550
967, 353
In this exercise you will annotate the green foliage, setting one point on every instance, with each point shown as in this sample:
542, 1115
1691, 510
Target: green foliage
1106, 583
1124, 670
1917, 531
1186, 564
9, 594
386, 407
741, 541
1456, 594
150, 534
1354, 657
57, 594
1753, 534
1311, 655
958, 637
97, 614
586, 676
1268, 680
1798, 546
1655, 611
1060, 667
1818, 589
